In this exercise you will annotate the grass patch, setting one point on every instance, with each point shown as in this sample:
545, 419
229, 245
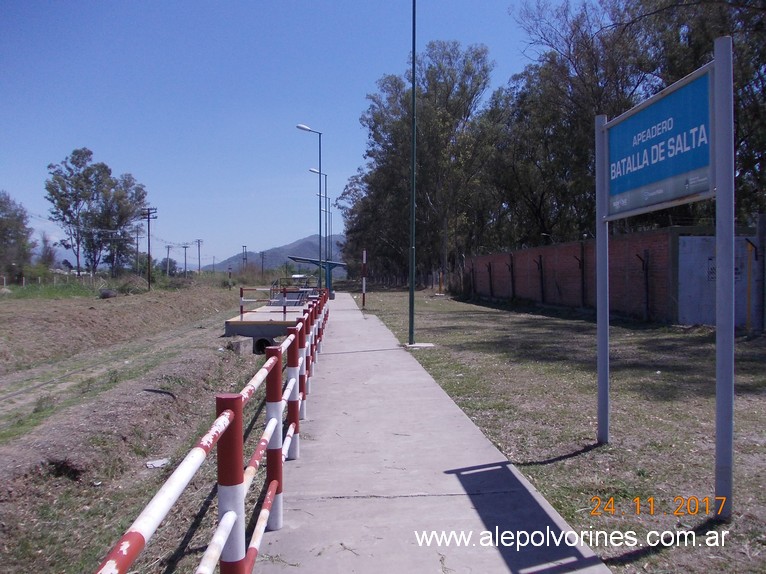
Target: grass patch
46, 291
527, 377
14, 425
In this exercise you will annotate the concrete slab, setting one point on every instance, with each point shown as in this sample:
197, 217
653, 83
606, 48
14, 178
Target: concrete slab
387, 456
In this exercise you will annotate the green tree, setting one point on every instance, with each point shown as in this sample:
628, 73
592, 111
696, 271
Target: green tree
71, 188
451, 82
375, 201
608, 56
678, 37
517, 168
112, 221
98, 212
587, 66
16, 242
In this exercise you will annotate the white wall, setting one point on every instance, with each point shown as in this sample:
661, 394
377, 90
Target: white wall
696, 282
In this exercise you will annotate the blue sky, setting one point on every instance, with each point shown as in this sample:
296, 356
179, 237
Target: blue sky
199, 101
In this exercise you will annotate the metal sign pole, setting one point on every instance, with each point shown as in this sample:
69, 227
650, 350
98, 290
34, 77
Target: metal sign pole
724, 232
602, 280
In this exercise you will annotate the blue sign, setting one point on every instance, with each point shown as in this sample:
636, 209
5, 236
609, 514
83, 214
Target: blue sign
660, 153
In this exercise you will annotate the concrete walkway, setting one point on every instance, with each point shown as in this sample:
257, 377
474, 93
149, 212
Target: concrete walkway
385, 453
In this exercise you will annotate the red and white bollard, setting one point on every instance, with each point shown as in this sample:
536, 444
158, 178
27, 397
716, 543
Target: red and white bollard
231, 483
325, 314
319, 315
293, 402
274, 452
309, 360
314, 334
302, 377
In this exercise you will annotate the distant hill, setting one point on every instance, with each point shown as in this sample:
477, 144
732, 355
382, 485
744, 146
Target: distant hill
278, 256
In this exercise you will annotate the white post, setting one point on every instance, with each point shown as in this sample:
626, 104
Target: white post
364, 277
723, 142
293, 405
274, 451
302, 373
602, 281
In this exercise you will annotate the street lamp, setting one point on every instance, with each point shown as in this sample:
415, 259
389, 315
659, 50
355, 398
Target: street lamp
305, 128
327, 238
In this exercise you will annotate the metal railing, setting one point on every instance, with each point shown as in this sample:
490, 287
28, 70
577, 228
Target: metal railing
280, 441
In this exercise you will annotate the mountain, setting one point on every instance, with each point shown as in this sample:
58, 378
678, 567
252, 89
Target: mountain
278, 256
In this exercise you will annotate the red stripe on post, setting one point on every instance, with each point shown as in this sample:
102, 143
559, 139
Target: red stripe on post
274, 378
274, 395
274, 467
293, 415
237, 567
302, 331
230, 447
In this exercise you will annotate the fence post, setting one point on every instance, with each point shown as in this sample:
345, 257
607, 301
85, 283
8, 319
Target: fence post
241, 303
326, 310
314, 333
301, 330
308, 345
231, 487
310, 338
274, 452
320, 307
322, 319
293, 403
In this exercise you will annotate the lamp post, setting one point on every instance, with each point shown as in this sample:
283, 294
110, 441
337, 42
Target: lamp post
305, 128
411, 334
327, 238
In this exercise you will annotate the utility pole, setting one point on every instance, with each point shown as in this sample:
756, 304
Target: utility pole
167, 262
185, 246
137, 238
199, 258
150, 213
244, 258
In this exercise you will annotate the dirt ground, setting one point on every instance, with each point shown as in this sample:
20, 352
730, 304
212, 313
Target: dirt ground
35, 331
90, 391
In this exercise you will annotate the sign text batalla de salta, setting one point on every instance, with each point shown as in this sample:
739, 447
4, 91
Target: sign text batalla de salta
661, 152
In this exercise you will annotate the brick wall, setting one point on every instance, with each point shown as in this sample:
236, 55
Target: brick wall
565, 274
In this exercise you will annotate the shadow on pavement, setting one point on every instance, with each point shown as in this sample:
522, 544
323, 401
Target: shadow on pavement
519, 526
